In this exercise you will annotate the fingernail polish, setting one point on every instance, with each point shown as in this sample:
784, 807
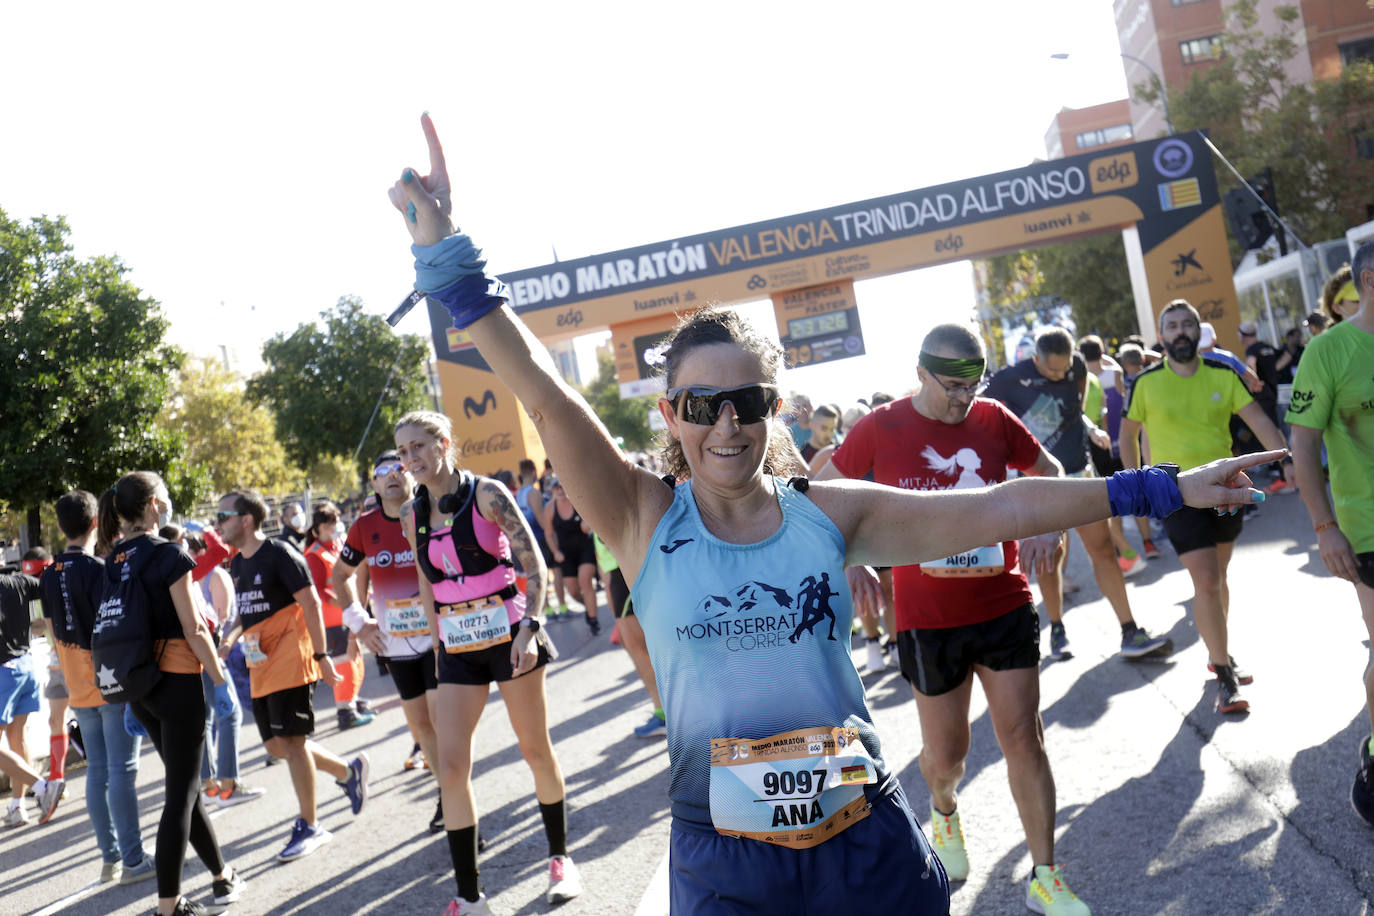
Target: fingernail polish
410, 211
407, 176
1258, 496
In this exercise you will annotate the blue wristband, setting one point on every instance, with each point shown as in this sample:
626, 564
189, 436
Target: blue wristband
453, 273
1149, 492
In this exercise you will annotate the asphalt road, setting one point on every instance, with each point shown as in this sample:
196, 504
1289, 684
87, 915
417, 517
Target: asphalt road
1164, 806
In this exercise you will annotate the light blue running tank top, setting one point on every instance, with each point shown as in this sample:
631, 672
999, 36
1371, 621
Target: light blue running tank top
739, 636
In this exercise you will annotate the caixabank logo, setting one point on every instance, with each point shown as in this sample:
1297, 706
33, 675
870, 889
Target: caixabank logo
758, 615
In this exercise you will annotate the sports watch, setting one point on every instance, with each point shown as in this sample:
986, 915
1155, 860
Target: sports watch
533, 624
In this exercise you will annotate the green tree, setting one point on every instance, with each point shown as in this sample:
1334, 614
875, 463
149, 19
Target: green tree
628, 418
322, 382
86, 374
1258, 116
232, 439
1090, 274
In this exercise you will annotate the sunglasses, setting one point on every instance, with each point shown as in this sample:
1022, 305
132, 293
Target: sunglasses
701, 405
386, 470
221, 515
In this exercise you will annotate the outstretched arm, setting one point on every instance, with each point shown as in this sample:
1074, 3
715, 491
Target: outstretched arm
877, 522
623, 501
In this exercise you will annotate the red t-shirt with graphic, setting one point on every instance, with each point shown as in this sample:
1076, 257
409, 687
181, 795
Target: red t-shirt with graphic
902, 448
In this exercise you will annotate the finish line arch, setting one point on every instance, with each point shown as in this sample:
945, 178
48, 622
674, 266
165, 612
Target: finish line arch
1162, 194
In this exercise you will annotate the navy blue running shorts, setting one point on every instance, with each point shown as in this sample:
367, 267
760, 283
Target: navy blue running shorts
883, 864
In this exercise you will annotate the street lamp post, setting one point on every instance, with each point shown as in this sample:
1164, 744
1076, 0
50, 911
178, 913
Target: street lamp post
1163, 89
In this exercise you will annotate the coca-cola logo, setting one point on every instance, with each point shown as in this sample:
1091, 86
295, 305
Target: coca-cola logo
496, 442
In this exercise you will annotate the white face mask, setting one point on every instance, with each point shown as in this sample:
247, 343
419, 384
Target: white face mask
164, 518
296, 520
329, 535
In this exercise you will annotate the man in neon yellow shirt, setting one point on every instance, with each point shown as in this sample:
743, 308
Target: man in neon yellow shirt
1333, 403
1185, 403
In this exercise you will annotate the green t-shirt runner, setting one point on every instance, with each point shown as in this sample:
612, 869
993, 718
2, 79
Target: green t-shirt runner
1333, 392
1188, 419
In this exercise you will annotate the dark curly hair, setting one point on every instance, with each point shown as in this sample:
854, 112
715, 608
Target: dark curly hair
709, 325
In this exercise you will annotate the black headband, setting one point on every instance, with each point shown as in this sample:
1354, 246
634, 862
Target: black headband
953, 368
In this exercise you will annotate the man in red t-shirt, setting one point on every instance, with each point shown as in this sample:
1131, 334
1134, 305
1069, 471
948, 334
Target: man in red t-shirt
969, 613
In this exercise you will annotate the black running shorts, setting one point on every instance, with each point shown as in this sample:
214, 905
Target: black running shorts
336, 641
413, 677
1364, 563
579, 553
483, 666
285, 713
1195, 529
937, 661
618, 594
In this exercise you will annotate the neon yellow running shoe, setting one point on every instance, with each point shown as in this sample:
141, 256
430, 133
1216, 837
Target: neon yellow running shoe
948, 838
1049, 893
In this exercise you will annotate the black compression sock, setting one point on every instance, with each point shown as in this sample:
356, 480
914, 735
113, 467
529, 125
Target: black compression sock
462, 847
1128, 628
556, 826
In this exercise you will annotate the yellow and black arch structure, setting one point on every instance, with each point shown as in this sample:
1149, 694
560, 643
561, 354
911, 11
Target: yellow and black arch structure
1161, 194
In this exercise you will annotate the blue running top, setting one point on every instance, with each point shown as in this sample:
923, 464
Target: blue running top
740, 637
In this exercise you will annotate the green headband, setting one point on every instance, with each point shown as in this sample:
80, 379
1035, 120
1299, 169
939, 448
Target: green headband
952, 368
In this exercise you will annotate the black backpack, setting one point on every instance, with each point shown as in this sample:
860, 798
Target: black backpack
122, 639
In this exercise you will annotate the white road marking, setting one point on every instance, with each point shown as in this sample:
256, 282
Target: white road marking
655, 899
67, 901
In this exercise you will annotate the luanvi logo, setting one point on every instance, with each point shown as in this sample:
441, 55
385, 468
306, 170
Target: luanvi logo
1185, 261
675, 545
471, 407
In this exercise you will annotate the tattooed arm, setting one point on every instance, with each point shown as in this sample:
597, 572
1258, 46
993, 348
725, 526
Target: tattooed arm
497, 505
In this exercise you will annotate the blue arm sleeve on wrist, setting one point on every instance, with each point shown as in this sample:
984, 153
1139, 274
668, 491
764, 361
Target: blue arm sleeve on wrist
453, 273
1149, 492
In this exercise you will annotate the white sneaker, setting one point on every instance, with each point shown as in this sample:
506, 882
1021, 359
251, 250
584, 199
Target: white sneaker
460, 907
876, 660
17, 817
564, 881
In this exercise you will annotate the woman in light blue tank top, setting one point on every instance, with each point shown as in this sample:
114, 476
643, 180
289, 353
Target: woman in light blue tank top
781, 800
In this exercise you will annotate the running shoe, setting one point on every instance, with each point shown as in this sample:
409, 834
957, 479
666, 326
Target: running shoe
1131, 567
436, 823
948, 837
416, 758
1140, 643
460, 907
110, 871
875, 660
351, 718
1243, 677
47, 802
1150, 551
1228, 691
594, 625
1059, 642
240, 793
140, 872
304, 840
355, 786
1049, 893
186, 907
211, 791
564, 881
17, 817
652, 729
1362, 792
362, 705
230, 889
1281, 486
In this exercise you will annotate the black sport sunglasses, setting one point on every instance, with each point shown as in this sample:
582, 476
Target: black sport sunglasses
701, 404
